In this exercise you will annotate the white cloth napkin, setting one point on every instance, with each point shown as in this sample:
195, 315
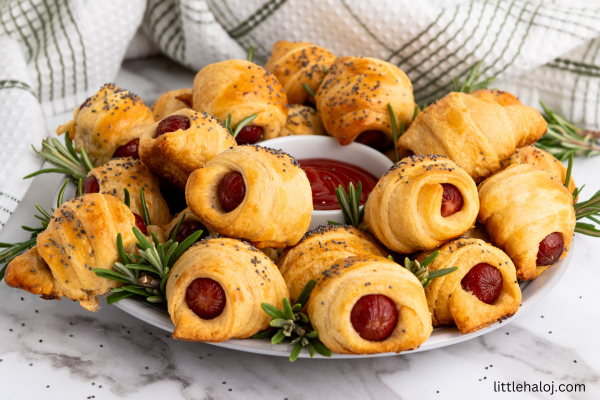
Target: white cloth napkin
55, 53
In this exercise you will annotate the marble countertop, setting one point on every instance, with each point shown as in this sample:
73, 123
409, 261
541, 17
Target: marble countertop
60, 351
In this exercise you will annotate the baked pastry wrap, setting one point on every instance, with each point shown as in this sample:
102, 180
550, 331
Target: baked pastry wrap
520, 207
404, 209
318, 250
476, 134
106, 121
302, 120
540, 158
241, 88
277, 205
348, 280
450, 304
82, 236
354, 99
298, 63
247, 278
172, 101
30, 272
496, 96
131, 174
173, 156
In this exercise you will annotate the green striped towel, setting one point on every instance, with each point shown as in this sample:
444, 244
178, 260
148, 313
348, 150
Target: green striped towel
61, 51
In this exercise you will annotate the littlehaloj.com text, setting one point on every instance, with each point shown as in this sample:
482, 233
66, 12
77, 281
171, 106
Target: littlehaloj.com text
538, 387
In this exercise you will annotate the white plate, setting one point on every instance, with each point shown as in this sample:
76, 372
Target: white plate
533, 291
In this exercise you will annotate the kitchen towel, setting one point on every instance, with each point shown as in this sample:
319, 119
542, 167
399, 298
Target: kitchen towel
55, 53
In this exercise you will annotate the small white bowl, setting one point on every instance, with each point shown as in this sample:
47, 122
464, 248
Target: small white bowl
303, 147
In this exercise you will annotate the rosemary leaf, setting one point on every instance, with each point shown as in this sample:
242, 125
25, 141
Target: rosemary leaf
441, 272
569, 169
250, 54
243, 123
272, 311
113, 298
264, 334
136, 290
146, 214
287, 309
295, 352
278, 338
112, 275
61, 194
430, 259
320, 348
305, 294
309, 90
127, 199
395, 128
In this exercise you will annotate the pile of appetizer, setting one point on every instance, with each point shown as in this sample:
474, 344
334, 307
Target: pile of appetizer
181, 204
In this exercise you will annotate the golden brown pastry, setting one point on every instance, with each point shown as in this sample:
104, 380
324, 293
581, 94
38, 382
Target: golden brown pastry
302, 120
107, 122
81, 236
367, 305
242, 88
483, 290
476, 134
420, 203
296, 63
540, 158
172, 101
529, 214
319, 249
253, 193
215, 291
181, 143
496, 96
129, 173
31, 273
353, 101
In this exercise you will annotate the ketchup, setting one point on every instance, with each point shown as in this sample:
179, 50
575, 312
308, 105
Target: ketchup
325, 175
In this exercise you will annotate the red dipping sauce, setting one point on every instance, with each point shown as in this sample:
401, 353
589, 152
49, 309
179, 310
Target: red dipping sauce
325, 175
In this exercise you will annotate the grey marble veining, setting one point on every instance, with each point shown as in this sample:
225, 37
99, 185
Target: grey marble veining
112, 355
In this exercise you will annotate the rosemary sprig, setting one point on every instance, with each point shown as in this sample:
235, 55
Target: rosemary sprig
420, 269
472, 83
146, 274
64, 158
589, 209
240, 126
12, 250
564, 138
395, 128
250, 54
294, 326
350, 204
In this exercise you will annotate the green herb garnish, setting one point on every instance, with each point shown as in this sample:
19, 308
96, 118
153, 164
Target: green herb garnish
294, 326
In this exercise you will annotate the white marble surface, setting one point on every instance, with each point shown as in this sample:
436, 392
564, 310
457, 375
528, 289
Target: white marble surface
60, 351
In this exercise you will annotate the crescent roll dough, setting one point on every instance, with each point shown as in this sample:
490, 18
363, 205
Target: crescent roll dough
319, 249
404, 209
172, 101
522, 205
106, 121
542, 159
241, 88
175, 155
349, 279
496, 96
302, 120
31, 273
277, 206
247, 277
450, 304
477, 134
354, 98
131, 174
295, 64
81, 236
